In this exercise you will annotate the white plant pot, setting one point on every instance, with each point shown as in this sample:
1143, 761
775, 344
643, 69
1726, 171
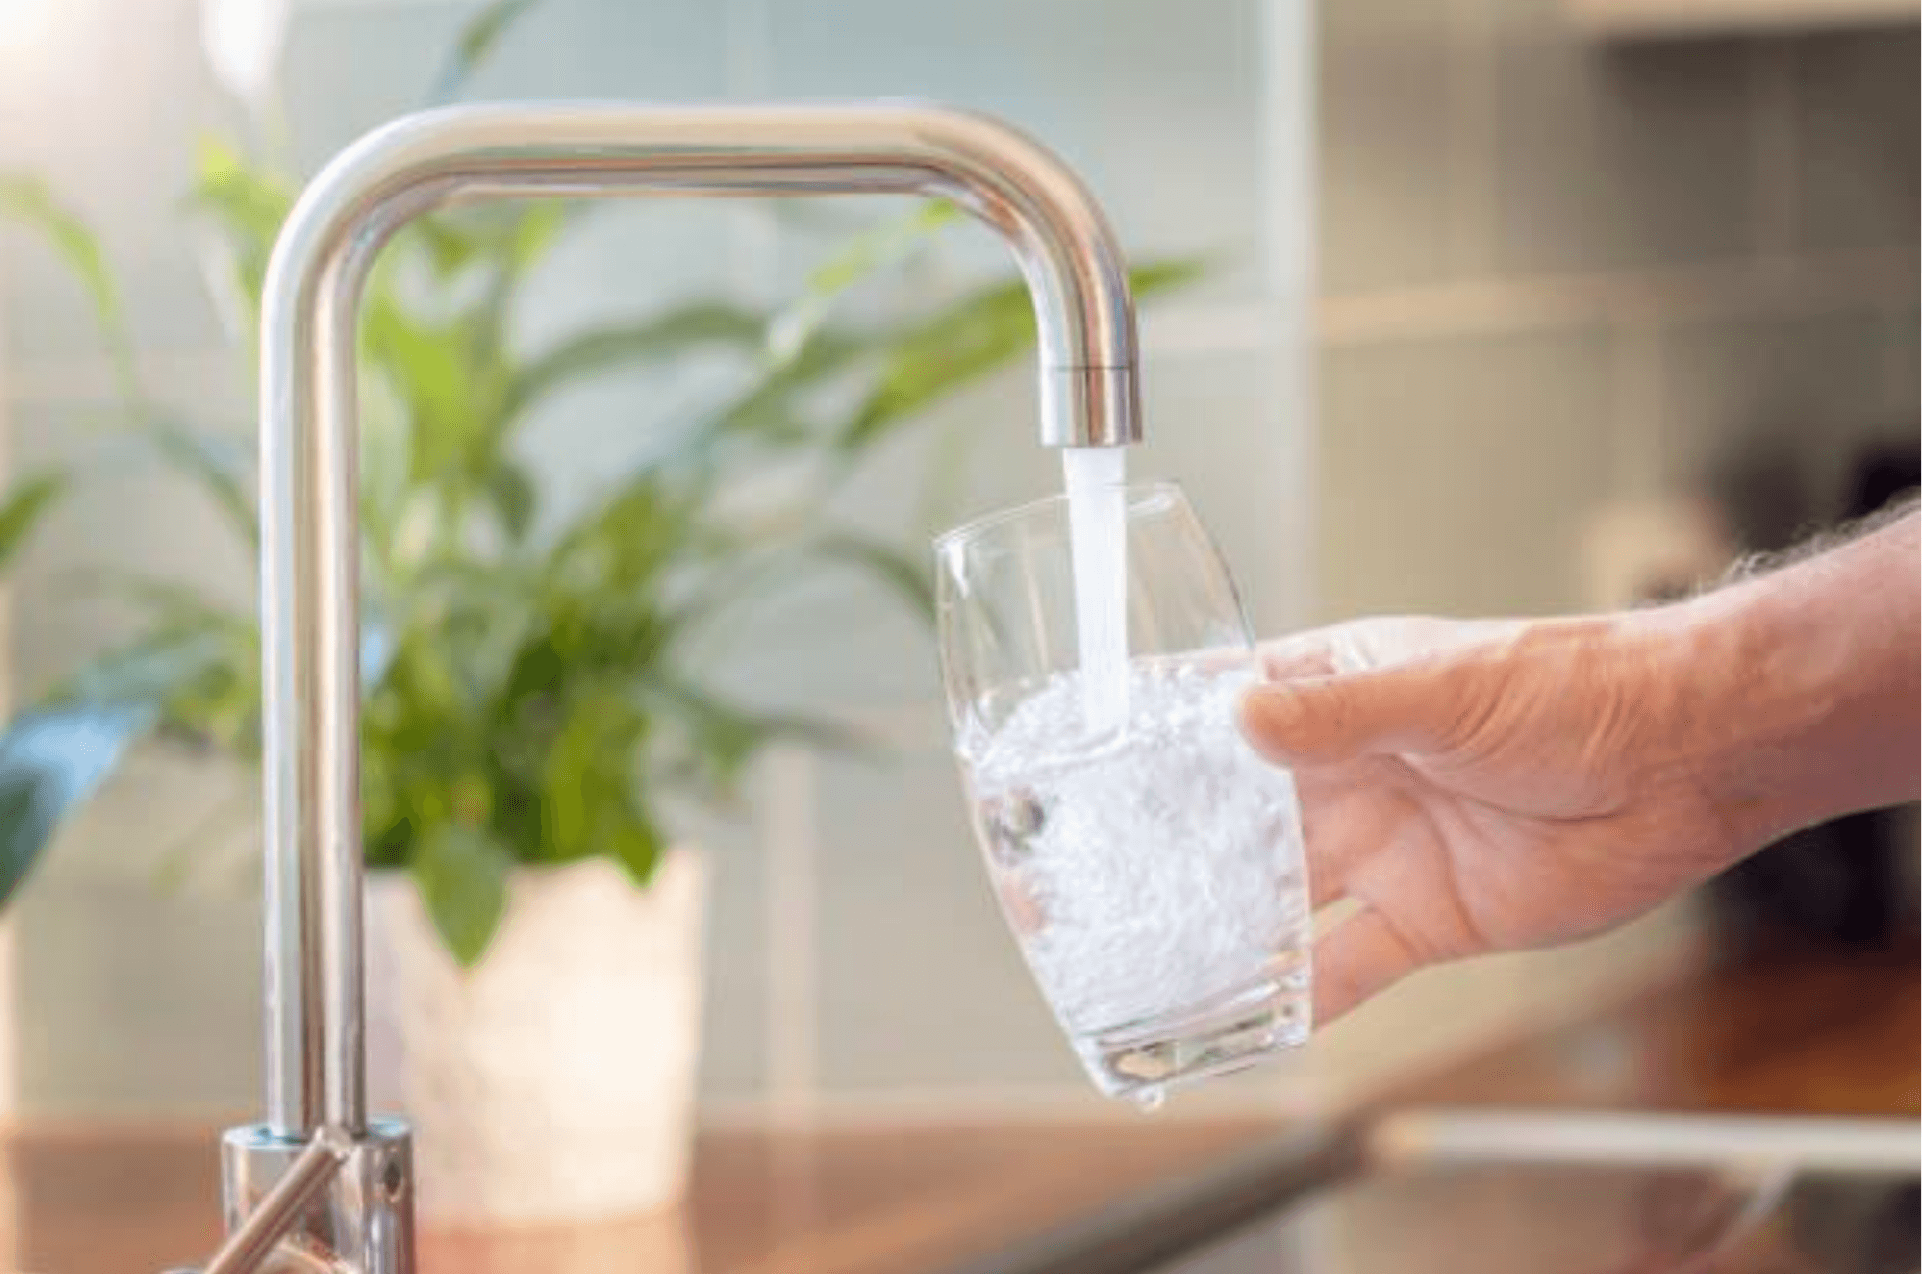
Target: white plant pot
553, 1082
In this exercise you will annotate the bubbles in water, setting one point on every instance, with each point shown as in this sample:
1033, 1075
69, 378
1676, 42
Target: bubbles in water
1162, 868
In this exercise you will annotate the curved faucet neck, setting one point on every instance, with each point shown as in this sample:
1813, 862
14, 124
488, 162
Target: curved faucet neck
308, 422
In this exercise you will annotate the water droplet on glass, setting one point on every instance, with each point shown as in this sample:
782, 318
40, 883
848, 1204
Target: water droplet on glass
1149, 1101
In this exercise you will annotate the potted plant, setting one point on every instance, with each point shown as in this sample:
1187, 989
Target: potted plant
535, 691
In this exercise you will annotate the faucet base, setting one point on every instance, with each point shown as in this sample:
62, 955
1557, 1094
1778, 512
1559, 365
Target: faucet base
363, 1220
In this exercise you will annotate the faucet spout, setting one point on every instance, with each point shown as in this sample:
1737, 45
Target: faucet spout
316, 1090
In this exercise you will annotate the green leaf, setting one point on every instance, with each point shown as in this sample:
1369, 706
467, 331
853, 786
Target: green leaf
535, 228
627, 540
473, 46
386, 457
22, 511
511, 237
882, 245
196, 667
50, 762
635, 843
423, 360
567, 806
29, 201
655, 339
451, 395
150, 670
248, 201
585, 787
1157, 277
450, 248
246, 205
461, 872
512, 491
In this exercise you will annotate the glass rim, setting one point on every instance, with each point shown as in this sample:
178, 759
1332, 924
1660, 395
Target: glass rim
1131, 492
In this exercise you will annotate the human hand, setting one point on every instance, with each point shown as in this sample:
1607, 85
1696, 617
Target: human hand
1489, 786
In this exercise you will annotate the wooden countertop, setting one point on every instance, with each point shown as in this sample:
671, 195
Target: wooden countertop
1811, 1034
844, 1202
1800, 1032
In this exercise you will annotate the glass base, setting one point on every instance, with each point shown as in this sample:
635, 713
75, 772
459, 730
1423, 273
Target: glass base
1142, 1061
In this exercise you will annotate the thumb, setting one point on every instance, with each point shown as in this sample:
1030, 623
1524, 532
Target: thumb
1321, 720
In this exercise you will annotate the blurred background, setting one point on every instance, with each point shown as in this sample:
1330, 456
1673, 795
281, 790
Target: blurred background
1496, 292
1509, 307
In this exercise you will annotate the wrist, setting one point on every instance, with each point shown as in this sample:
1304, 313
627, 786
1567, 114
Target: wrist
1803, 699
1758, 707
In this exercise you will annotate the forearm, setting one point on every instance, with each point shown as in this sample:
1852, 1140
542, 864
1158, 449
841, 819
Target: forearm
1811, 689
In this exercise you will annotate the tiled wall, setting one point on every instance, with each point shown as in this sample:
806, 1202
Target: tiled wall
1557, 274
1550, 275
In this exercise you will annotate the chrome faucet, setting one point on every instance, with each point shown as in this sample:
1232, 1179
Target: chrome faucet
319, 1185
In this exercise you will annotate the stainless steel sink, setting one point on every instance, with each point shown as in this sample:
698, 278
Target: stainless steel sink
1440, 1191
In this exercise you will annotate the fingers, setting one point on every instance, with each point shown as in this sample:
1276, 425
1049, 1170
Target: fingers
1324, 720
1368, 686
1363, 644
1359, 958
1303, 655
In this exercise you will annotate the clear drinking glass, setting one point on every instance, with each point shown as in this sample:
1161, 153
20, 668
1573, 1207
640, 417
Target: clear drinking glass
1150, 865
